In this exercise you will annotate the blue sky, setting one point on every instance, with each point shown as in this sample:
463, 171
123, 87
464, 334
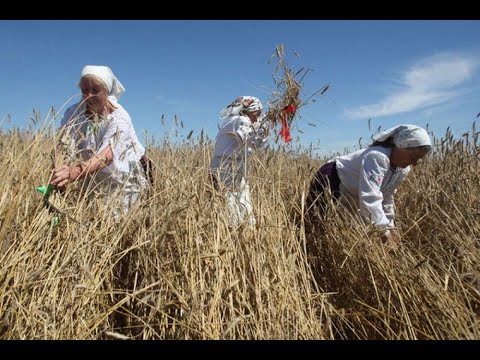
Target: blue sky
389, 71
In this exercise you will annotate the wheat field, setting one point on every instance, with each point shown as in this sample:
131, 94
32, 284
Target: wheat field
173, 269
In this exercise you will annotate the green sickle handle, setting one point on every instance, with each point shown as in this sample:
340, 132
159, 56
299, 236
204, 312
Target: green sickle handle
47, 191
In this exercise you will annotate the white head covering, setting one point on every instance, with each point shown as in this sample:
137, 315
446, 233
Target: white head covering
245, 103
104, 73
405, 136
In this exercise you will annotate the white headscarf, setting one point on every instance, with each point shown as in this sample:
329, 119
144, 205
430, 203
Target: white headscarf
245, 103
104, 73
405, 136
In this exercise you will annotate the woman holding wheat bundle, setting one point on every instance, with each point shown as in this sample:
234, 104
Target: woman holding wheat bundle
99, 133
241, 132
368, 178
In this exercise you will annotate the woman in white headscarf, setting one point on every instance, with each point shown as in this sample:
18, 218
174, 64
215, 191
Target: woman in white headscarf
240, 133
99, 132
368, 178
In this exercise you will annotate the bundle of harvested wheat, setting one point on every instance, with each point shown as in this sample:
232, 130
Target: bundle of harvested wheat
285, 100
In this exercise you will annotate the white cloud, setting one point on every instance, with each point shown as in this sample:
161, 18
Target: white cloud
431, 82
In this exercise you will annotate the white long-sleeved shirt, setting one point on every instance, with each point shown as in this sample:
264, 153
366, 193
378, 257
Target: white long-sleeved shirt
368, 179
88, 137
229, 155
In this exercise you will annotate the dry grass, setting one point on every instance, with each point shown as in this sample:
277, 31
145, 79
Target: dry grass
287, 99
174, 270
430, 287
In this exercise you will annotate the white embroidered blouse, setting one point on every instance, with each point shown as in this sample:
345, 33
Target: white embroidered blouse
87, 137
369, 179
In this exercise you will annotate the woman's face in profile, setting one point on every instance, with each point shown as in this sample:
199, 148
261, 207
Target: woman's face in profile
94, 93
406, 157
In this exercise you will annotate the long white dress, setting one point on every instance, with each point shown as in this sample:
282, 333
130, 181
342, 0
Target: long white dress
84, 137
235, 141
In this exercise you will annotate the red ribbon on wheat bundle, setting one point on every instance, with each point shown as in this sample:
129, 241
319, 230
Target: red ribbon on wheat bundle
285, 131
